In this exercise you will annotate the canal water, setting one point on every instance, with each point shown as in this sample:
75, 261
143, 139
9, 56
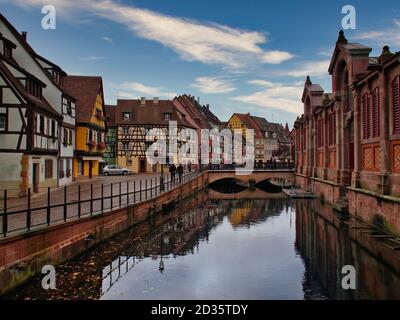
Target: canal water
213, 247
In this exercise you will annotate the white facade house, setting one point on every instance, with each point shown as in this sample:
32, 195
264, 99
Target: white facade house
36, 115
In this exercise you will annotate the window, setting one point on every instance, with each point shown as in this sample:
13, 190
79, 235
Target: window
48, 169
3, 122
33, 88
126, 115
320, 133
396, 105
62, 173
53, 128
126, 131
7, 50
376, 114
65, 137
99, 137
126, 146
366, 107
70, 137
41, 125
332, 129
167, 116
90, 135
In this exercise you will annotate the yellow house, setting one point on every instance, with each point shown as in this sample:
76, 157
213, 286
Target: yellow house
90, 124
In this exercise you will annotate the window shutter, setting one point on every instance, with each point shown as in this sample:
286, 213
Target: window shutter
376, 117
396, 105
365, 116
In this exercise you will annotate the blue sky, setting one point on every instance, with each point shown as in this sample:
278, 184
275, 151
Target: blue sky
238, 56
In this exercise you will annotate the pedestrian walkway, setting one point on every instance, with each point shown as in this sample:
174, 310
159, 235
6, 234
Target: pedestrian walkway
82, 199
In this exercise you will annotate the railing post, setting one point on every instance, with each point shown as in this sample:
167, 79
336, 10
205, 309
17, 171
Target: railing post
127, 193
111, 204
134, 192
151, 188
65, 203
146, 190
91, 199
140, 191
120, 194
48, 206
28, 212
79, 201
5, 220
102, 198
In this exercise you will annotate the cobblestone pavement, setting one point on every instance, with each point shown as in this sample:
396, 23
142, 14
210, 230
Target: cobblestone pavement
102, 187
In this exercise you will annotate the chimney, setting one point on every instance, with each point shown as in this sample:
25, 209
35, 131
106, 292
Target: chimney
143, 101
155, 100
24, 35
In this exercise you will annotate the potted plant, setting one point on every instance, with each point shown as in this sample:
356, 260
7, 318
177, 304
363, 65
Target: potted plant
91, 144
68, 173
101, 146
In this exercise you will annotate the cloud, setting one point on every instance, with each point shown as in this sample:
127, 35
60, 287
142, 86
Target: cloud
206, 42
390, 36
91, 58
107, 39
135, 89
277, 96
276, 57
213, 85
262, 83
312, 68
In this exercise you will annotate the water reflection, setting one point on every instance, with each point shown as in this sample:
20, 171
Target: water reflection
211, 248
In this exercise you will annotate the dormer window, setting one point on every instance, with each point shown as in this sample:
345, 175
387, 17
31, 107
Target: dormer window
167, 116
126, 115
34, 88
7, 50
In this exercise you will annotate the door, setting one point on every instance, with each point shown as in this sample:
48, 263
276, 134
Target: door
142, 165
90, 169
351, 156
35, 177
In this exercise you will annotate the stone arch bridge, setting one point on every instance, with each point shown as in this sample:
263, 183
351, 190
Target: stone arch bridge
256, 176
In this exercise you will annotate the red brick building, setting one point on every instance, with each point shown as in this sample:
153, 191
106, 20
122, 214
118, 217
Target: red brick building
348, 141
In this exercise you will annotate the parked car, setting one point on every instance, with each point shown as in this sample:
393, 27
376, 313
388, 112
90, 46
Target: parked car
114, 169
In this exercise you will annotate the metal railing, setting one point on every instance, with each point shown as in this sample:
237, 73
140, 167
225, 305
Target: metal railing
67, 205
74, 202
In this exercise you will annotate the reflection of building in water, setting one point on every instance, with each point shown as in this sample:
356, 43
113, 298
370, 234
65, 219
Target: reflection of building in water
247, 212
327, 244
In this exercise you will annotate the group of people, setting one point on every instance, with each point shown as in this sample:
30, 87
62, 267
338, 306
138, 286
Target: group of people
173, 170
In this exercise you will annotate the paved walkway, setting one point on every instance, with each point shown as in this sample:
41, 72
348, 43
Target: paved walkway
58, 213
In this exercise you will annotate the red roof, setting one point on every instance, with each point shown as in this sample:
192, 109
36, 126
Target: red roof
85, 89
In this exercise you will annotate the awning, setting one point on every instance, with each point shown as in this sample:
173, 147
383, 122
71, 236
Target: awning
92, 158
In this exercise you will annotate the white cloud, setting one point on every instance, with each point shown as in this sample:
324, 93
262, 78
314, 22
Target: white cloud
92, 58
390, 36
208, 43
135, 89
108, 39
262, 83
213, 85
313, 69
277, 96
276, 57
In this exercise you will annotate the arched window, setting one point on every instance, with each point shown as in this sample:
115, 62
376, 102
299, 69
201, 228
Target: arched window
396, 105
376, 113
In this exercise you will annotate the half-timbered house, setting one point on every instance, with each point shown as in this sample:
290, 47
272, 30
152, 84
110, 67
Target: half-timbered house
134, 118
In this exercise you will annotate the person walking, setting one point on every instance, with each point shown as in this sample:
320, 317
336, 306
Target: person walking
172, 171
180, 172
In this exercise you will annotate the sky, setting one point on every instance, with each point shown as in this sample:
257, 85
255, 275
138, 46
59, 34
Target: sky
238, 56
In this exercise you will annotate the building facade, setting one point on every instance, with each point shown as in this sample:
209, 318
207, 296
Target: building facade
134, 118
90, 124
348, 141
110, 154
32, 116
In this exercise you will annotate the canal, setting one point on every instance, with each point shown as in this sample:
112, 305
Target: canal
214, 248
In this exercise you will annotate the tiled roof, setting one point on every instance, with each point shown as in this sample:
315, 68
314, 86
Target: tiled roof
36, 102
85, 89
150, 113
110, 111
249, 123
